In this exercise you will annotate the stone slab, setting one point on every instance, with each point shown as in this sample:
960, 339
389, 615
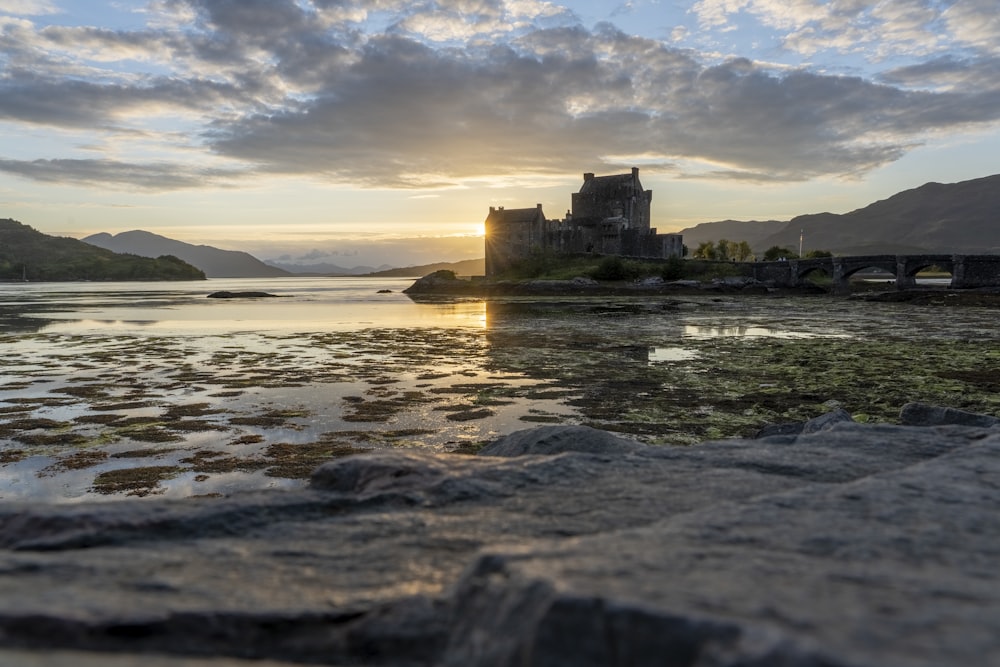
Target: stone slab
854, 545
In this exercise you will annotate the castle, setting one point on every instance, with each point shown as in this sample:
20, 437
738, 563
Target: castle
609, 216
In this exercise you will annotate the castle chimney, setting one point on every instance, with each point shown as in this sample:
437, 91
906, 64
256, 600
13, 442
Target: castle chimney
587, 176
635, 172
538, 206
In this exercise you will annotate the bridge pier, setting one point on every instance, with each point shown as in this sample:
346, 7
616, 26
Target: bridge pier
793, 273
840, 282
970, 271
903, 279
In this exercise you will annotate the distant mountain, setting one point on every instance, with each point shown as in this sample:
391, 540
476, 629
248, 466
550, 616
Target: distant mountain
467, 267
324, 269
216, 263
961, 218
27, 254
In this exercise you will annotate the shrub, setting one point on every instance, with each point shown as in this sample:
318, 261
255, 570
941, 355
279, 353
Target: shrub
673, 269
616, 268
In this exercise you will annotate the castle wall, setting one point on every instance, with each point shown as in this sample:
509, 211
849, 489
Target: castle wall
610, 216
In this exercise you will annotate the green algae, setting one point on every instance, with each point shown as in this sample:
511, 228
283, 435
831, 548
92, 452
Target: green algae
12, 456
297, 461
75, 461
142, 453
141, 481
270, 419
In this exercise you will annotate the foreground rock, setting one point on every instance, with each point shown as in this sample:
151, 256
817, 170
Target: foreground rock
852, 545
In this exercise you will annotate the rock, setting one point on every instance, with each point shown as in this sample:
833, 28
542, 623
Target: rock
559, 439
789, 428
441, 282
827, 421
821, 423
851, 545
920, 414
240, 295
384, 291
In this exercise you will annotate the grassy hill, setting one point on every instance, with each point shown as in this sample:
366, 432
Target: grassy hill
27, 254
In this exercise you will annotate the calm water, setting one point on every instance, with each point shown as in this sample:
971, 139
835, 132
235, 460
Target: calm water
302, 304
151, 389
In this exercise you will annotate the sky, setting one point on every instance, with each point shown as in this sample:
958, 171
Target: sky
381, 131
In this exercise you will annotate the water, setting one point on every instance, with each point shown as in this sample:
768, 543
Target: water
115, 390
300, 304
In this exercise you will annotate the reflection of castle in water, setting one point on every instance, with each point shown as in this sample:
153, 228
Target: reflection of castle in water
610, 215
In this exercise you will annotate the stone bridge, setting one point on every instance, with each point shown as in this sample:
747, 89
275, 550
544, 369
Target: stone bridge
967, 271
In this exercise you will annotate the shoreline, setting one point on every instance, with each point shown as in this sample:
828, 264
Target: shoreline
435, 286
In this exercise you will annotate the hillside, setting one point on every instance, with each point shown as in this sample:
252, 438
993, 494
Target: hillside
216, 263
27, 254
467, 267
753, 232
933, 218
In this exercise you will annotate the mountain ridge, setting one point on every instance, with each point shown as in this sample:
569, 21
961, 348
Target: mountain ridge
28, 254
960, 218
215, 262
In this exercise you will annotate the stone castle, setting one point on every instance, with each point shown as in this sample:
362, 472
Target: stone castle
609, 216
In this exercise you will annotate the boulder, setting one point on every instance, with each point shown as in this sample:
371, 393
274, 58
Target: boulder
440, 282
822, 423
920, 414
558, 439
241, 295
850, 545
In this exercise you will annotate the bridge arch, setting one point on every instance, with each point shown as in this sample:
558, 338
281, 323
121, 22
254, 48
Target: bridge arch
916, 263
810, 273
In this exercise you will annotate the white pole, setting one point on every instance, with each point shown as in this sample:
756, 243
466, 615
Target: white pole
801, 234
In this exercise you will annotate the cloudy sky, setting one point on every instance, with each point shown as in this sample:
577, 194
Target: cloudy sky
380, 131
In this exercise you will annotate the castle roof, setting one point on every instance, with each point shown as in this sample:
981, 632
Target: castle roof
606, 186
515, 215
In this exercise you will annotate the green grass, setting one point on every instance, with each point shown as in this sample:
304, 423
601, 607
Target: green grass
551, 266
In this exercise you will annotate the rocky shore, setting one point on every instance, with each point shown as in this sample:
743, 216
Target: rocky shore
828, 543
443, 283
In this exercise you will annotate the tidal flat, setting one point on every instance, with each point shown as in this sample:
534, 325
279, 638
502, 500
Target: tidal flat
105, 412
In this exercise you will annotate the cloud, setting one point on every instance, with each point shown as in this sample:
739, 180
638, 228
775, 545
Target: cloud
947, 73
875, 30
408, 115
110, 173
27, 7
318, 90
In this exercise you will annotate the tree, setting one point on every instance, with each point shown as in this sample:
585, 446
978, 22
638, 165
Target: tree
723, 250
774, 253
705, 250
812, 254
